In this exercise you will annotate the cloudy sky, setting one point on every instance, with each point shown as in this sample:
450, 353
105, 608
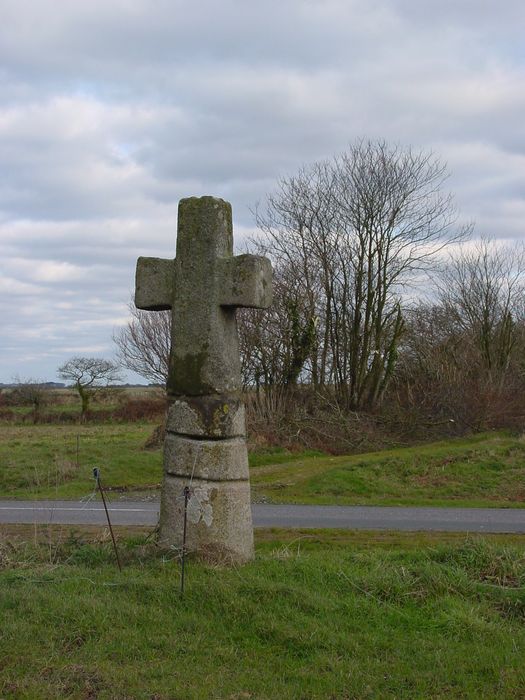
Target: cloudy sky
110, 112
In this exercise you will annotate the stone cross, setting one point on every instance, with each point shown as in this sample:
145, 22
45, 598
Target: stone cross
205, 446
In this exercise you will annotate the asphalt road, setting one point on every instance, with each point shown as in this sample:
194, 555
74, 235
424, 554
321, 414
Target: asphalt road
289, 516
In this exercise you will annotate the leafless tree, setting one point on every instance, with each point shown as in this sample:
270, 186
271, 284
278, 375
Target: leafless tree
89, 374
355, 229
483, 289
463, 353
30, 391
144, 344
276, 343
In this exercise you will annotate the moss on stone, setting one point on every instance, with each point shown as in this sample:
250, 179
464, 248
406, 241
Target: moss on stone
185, 375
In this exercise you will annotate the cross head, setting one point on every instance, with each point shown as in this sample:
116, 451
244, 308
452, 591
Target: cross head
203, 286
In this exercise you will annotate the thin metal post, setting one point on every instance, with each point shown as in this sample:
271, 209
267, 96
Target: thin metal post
186, 498
96, 474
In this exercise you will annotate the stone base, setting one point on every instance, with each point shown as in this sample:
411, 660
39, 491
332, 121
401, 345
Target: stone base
210, 460
219, 520
213, 417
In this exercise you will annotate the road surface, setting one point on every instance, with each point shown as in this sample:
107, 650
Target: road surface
288, 516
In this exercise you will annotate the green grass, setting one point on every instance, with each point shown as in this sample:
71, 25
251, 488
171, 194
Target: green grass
278, 455
40, 461
313, 617
484, 470
72, 409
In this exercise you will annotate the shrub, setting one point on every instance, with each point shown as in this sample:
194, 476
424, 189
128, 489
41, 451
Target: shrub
141, 409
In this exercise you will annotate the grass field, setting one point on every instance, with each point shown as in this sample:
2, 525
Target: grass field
318, 615
485, 470
40, 461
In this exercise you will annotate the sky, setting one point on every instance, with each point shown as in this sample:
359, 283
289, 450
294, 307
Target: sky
110, 112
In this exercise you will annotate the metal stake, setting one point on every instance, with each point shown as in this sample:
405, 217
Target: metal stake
96, 474
186, 498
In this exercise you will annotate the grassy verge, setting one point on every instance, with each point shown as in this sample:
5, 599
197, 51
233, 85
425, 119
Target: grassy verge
315, 616
40, 461
484, 470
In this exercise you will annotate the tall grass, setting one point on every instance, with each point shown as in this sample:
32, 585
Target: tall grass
307, 619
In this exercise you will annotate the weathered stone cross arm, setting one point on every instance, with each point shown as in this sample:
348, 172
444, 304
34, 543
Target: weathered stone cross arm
245, 281
240, 281
154, 284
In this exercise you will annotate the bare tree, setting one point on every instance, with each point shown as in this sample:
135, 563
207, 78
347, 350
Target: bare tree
30, 391
89, 374
483, 289
277, 343
355, 230
144, 344
462, 355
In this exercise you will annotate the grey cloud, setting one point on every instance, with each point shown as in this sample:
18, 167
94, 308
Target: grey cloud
111, 112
